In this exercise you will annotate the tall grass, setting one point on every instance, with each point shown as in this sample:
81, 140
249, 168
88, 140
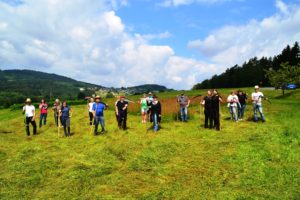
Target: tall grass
245, 160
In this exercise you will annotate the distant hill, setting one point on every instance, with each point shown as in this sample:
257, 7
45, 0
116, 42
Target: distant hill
16, 85
252, 72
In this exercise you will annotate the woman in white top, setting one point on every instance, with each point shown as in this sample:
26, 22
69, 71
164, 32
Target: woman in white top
29, 111
90, 109
233, 101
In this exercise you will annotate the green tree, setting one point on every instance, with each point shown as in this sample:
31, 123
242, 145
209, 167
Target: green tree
285, 75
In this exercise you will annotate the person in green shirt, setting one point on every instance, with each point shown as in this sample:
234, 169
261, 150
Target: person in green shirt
144, 108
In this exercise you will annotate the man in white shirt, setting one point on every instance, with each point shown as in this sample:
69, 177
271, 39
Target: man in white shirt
257, 97
29, 111
233, 101
90, 109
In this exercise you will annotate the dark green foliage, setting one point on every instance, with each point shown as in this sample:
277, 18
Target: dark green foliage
252, 72
17, 85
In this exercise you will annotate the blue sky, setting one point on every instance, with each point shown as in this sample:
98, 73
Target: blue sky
176, 43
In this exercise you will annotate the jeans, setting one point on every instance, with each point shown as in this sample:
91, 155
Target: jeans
27, 121
184, 113
43, 117
99, 119
260, 110
242, 111
233, 113
155, 122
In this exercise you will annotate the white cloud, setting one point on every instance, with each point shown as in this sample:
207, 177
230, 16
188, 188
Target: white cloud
232, 45
88, 41
170, 3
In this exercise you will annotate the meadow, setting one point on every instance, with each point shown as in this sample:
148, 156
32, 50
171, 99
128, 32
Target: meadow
245, 160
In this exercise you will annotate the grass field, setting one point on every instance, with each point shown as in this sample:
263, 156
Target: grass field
245, 160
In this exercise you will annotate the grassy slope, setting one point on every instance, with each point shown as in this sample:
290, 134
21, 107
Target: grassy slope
245, 160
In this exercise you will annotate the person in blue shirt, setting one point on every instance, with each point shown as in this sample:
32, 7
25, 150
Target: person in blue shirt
65, 114
98, 112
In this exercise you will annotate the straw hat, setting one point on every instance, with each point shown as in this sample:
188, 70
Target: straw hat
28, 100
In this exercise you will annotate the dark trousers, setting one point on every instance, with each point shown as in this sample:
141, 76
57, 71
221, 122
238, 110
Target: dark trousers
122, 118
208, 118
27, 121
216, 119
91, 118
43, 117
65, 121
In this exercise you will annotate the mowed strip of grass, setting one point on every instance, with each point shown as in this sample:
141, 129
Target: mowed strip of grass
245, 160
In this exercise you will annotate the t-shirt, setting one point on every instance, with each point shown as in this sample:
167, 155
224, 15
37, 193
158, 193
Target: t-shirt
144, 103
256, 97
29, 110
43, 108
149, 100
155, 108
56, 108
99, 109
183, 101
91, 104
207, 102
232, 100
242, 98
120, 105
65, 112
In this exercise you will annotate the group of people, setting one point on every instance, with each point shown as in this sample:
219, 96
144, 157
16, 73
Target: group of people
150, 110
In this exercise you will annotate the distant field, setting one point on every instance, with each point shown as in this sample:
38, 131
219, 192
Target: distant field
245, 160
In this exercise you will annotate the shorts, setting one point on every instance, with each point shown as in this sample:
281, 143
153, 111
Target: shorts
144, 110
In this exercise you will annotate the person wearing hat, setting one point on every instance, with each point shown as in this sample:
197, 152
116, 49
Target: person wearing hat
43, 112
29, 111
257, 103
184, 103
90, 109
98, 113
65, 113
121, 112
155, 113
56, 108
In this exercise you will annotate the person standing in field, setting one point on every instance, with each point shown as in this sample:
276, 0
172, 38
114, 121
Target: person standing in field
144, 108
242, 106
207, 103
43, 112
121, 111
184, 103
216, 99
56, 108
149, 101
90, 109
66, 114
233, 101
98, 113
257, 103
29, 111
155, 113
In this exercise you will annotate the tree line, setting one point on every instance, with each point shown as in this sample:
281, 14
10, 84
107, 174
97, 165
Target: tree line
255, 71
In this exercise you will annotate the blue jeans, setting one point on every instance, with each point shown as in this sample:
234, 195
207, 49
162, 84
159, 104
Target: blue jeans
184, 114
233, 113
99, 119
260, 110
242, 111
43, 117
155, 122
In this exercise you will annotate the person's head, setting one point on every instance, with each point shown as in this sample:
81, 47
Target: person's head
155, 98
43, 101
65, 104
209, 92
150, 94
98, 99
91, 100
145, 95
28, 101
122, 98
215, 92
182, 94
232, 92
256, 88
240, 92
57, 101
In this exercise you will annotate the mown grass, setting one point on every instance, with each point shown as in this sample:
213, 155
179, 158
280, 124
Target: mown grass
246, 160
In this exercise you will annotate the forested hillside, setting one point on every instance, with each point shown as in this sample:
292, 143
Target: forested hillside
252, 72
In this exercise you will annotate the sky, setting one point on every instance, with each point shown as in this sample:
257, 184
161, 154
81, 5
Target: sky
114, 43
